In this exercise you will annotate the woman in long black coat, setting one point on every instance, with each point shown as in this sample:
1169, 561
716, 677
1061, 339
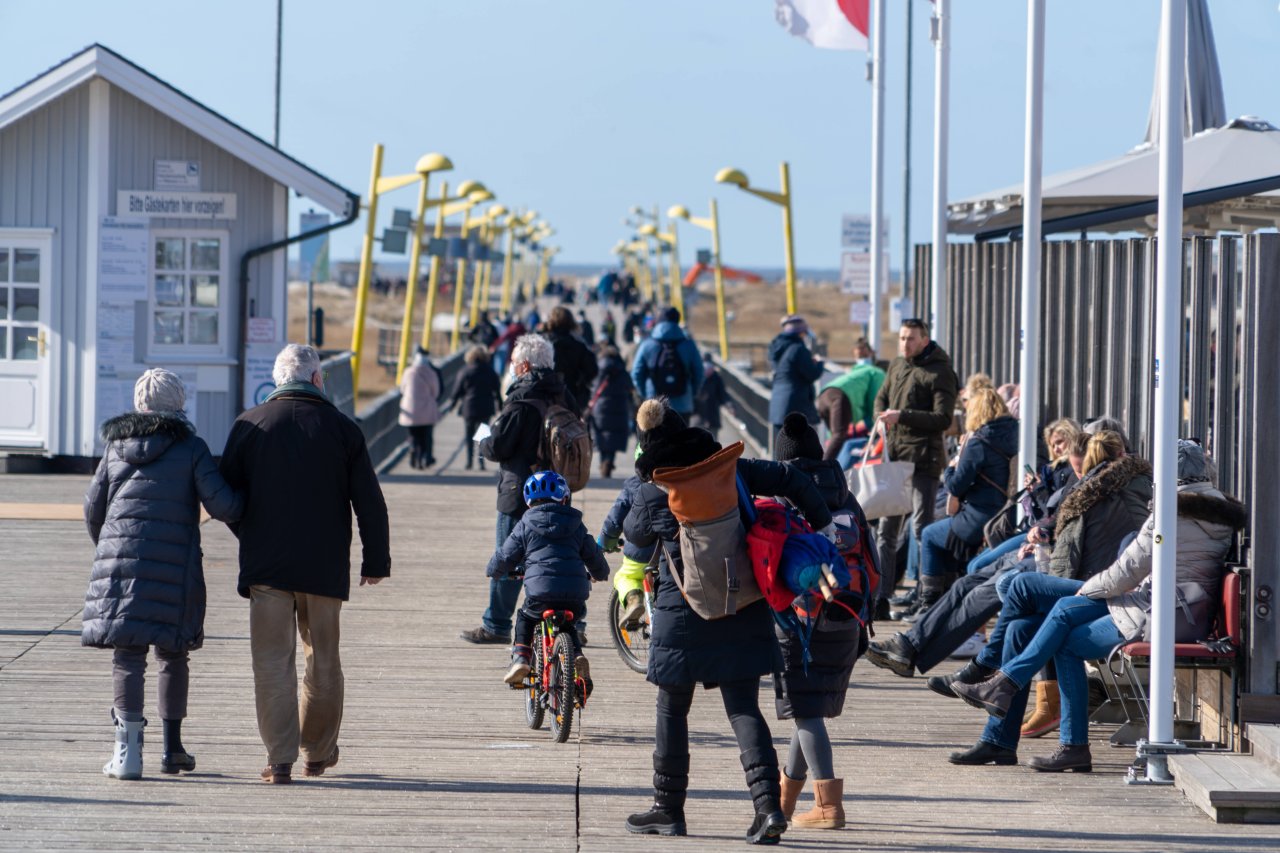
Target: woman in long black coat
479, 393
685, 650
610, 409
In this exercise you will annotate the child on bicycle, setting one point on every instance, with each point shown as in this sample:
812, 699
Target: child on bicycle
629, 580
560, 561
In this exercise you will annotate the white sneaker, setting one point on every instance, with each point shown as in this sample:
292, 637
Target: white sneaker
970, 647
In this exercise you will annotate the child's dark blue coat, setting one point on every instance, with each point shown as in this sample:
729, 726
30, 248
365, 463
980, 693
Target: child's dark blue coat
557, 552
612, 529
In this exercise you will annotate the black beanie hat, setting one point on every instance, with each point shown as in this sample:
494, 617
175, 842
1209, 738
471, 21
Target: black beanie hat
797, 440
656, 421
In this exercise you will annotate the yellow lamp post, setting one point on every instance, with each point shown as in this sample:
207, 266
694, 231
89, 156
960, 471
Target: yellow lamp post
489, 230
426, 165
377, 186
544, 265
460, 279
675, 292
515, 223
782, 198
445, 207
712, 224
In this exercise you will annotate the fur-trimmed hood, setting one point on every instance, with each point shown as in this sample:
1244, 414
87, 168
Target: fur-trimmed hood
1093, 490
141, 437
1211, 506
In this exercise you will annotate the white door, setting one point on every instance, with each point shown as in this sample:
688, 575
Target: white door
25, 265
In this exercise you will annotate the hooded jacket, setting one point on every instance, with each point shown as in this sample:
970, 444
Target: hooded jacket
924, 390
517, 434
688, 352
612, 529
684, 648
558, 554
576, 366
303, 467
1107, 505
795, 371
980, 477
611, 414
143, 514
1206, 520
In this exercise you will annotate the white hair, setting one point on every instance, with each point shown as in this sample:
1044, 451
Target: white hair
535, 350
295, 363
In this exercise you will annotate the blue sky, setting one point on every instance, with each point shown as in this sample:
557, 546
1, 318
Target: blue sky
582, 108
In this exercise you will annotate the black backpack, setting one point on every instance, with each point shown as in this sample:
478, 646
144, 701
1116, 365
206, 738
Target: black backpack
667, 370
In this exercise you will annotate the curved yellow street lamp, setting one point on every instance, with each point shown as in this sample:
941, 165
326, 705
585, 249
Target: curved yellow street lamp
712, 224
475, 197
675, 291
738, 178
489, 230
445, 207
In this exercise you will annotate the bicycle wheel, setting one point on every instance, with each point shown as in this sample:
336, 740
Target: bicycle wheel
534, 710
562, 686
632, 646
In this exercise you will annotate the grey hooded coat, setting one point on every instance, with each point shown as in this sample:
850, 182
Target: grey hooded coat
1206, 519
143, 514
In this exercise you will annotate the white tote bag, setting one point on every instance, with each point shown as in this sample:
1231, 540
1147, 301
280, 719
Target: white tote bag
883, 489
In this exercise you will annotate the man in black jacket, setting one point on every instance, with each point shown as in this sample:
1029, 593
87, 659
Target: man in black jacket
573, 360
515, 444
302, 466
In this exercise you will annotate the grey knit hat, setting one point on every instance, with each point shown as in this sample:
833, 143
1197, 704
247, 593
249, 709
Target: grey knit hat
1194, 465
159, 390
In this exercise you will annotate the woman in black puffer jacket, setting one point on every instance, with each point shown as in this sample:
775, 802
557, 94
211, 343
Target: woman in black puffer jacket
478, 395
811, 692
147, 584
685, 650
610, 409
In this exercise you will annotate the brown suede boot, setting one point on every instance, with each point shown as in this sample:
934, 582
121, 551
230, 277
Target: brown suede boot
828, 808
791, 789
1048, 711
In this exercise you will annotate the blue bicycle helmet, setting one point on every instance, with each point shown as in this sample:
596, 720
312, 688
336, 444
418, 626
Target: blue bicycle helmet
545, 486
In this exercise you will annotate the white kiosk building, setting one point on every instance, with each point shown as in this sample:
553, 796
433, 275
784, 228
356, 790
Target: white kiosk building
138, 228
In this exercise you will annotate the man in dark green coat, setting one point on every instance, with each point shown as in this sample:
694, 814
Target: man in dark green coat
916, 404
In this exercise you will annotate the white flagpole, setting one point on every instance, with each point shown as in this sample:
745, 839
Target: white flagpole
938, 303
1168, 383
877, 172
1032, 168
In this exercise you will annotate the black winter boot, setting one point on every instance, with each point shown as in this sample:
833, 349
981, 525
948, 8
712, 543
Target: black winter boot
993, 695
932, 588
895, 654
670, 786
761, 769
971, 673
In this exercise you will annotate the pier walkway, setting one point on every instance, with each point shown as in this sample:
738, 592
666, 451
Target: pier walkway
435, 753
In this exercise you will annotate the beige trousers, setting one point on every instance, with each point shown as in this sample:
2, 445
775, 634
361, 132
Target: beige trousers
285, 721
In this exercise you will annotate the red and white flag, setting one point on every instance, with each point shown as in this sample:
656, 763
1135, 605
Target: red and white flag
834, 24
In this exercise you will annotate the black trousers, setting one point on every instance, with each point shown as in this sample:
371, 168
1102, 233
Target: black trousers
422, 449
530, 614
965, 608
469, 429
755, 743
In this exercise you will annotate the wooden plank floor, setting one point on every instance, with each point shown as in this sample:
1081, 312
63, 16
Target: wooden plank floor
435, 754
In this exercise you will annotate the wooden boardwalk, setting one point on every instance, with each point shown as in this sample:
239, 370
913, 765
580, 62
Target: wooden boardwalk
435, 754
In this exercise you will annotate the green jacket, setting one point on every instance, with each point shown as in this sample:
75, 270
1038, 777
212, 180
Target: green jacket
924, 390
860, 385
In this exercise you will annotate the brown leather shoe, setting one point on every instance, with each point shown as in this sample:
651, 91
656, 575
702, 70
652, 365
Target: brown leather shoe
277, 774
317, 768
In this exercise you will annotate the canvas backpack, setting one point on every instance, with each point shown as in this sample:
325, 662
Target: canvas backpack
565, 446
667, 370
712, 568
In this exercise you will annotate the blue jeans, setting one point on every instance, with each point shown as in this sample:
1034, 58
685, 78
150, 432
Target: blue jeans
913, 559
935, 557
851, 450
504, 593
1006, 580
990, 555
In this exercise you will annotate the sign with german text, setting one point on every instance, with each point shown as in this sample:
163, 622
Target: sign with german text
176, 205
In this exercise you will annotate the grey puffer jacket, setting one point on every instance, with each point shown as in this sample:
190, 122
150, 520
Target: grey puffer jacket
1110, 502
1206, 519
143, 514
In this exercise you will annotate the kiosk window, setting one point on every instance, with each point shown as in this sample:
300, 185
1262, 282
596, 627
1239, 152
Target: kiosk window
188, 308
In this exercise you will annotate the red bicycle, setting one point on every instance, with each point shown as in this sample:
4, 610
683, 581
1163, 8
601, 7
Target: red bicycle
553, 683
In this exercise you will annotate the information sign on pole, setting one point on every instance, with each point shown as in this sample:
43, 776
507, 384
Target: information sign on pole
855, 273
855, 231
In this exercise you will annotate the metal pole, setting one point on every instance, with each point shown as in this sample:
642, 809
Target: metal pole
460, 283
1032, 168
411, 288
788, 235
877, 171
677, 286
311, 308
433, 277
719, 275
906, 172
479, 289
1168, 381
366, 272
279, 61
938, 301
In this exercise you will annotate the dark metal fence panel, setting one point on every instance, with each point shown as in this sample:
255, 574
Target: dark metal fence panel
751, 400
1226, 354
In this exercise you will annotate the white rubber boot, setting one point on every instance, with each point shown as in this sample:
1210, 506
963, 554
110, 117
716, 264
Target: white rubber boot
126, 761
